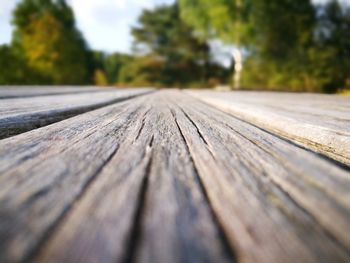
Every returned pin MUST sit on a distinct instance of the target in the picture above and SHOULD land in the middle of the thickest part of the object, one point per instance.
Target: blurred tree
(100, 78)
(227, 20)
(45, 35)
(14, 69)
(111, 64)
(143, 71)
(273, 32)
(280, 29)
(281, 35)
(162, 35)
(330, 54)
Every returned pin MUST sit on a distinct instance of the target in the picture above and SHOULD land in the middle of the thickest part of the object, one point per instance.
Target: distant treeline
(47, 48)
(287, 45)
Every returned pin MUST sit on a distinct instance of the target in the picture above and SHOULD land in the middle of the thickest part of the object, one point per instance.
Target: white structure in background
(238, 60)
(227, 56)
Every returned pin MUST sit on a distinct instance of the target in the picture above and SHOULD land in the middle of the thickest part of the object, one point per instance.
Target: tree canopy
(285, 45)
(291, 45)
(46, 36)
(171, 47)
(15, 70)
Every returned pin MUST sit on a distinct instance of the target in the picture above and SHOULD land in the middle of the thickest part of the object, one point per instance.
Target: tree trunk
(237, 53)
(238, 58)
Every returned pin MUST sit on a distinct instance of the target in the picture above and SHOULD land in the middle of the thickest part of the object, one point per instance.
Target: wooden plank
(154, 158)
(99, 228)
(7, 92)
(318, 122)
(25, 114)
(43, 172)
(106, 204)
(177, 224)
(165, 177)
(276, 202)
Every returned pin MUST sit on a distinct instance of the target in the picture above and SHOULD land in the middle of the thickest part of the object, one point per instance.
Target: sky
(105, 23)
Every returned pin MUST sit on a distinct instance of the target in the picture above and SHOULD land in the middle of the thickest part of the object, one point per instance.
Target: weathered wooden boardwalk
(141, 175)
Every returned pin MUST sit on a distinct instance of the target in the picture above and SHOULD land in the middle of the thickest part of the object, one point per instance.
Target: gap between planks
(58, 108)
(318, 122)
(182, 115)
(136, 242)
(14, 92)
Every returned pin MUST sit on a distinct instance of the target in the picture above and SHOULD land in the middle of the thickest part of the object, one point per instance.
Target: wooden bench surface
(22, 114)
(32, 91)
(176, 176)
(319, 122)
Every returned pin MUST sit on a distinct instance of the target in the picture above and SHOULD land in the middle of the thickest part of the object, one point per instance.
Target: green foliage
(46, 37)
(291, 45)
(224, 19)
(284, 28)
(100, 78)
(288, 45)
(174, 56)
(331, 51)
(142, 71)
(14, 69)
(26, 10)
(111, 65)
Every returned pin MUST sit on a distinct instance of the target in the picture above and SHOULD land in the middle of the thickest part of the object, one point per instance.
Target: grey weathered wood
(99, 228)
(166, 177)
(44, 171)
(7, 92)
(176, 224)
(82, 231)
(277, 202)
(25, 114)
(319, 122)
(173, 222)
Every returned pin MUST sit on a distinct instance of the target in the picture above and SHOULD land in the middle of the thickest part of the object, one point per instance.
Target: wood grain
(129, 190)
(44, 171)
(319, 122)
(7, 92)
(176, 224)
(25, 114)
(166, 177)
(277, 202)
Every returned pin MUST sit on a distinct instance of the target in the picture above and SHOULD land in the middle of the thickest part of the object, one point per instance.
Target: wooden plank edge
(39, 91)
(329, 152)
(12, 126)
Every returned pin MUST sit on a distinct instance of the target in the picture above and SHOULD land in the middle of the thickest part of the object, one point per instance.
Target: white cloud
(6, 8)
(106, 23)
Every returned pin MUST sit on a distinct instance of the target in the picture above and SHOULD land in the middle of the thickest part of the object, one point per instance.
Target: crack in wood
(295, 141)
(214, 185)
(31, 254)
(229, 250)
(35, 249)
(318, 143)
(12, 126)
(341, 247)
(195, 125)
(143, 122)
(134, 237)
